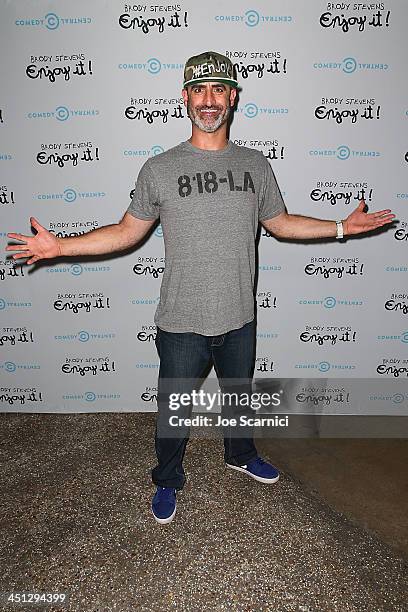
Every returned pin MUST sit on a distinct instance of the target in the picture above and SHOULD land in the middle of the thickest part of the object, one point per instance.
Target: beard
(211, 123)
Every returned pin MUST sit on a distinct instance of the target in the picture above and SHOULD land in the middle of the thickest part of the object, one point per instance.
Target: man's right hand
(100, 241)
(43, 245)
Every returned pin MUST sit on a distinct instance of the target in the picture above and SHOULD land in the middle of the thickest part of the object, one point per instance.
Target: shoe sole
(258, 478)
(165, 521)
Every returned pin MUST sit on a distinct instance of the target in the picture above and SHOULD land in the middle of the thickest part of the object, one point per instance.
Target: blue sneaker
(258, 468)
(164, 505)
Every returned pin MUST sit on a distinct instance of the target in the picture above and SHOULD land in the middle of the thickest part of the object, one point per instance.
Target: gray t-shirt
(209, 203)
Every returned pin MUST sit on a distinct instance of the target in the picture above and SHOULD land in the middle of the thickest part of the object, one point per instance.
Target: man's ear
(185, 96)
(233, 94)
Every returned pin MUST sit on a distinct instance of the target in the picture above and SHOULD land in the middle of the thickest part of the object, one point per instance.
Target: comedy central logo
(395, 398)
(77, 269)
(398, 398)
(62, 113)
(349, 65)
(152, 152)
(252, 18)
(85, 336)
(330, 302)
(324, 366)
(10, 304)
(90, 396)
(152, 66)
(68, 195)
(74, 269)
(342, 152)
(10, 367)
(396, 268)
(403, 337)
(52, 21)
(251, 110)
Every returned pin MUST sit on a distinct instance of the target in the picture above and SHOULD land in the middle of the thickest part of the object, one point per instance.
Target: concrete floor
(366, 480)
(75, 516)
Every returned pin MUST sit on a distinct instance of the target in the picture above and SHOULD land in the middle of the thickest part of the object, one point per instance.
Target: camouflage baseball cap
(210, 66)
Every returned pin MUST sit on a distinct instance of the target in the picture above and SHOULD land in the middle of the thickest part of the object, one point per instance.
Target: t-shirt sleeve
(271, 202)
(145, 203)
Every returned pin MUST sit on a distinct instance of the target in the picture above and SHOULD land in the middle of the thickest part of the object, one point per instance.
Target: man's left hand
(358, 221)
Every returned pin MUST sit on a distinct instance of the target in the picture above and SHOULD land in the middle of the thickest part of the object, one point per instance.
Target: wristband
(340, 230)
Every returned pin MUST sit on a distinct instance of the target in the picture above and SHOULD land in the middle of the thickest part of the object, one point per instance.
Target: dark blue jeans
(184, 357)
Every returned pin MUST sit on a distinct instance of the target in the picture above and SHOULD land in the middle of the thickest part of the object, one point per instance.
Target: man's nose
(209, 99)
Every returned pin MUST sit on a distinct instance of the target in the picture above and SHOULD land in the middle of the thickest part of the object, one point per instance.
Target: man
(210, 195)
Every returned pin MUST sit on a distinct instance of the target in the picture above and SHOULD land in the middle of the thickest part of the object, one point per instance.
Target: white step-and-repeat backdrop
(90, 90)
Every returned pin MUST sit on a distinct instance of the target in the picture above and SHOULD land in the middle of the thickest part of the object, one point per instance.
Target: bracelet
(340, 230)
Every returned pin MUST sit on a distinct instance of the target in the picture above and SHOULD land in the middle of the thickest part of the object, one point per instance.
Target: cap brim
(212, 79)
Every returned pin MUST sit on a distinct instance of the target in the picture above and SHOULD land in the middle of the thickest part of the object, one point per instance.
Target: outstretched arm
(107, 239)
(296, 226)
